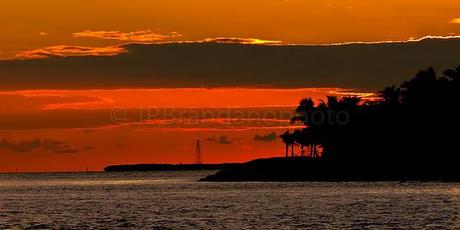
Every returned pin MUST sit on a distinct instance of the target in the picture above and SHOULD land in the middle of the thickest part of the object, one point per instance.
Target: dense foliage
(413, 125)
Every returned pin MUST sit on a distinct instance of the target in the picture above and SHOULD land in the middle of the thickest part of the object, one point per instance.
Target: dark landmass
(305, 169)
(165, 167)
(409, 133)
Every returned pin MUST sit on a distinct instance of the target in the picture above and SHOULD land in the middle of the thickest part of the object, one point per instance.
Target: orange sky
(179, 97)
(70, 130)
(45, 23)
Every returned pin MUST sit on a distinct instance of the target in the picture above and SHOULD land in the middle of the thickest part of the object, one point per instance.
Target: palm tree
(332, 102)
(453, 74)
(304, 110)
(421, 88)
(350, 102)
(391, 95)
(308, 140)
(301, 137)
(288, 140)
(422, 79)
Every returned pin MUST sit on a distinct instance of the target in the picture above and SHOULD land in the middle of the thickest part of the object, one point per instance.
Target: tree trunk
(287, 150)
(292, 150)
(316, 151)
(311, 150)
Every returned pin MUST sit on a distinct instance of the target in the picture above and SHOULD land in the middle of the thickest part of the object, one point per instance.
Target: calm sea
(175, 200)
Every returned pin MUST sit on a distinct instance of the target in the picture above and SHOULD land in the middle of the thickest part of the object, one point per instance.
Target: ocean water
(175, 200)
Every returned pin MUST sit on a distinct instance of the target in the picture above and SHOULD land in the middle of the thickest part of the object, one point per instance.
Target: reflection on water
(175, 200)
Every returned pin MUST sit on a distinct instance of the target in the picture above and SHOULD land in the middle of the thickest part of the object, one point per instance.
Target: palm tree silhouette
(416, 127)
(391, 95)
(288, 140)
(349, 102)
(453, 74)
(302, 139)
(304, 110)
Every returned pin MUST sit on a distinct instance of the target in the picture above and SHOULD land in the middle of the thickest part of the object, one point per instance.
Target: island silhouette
(408, 133)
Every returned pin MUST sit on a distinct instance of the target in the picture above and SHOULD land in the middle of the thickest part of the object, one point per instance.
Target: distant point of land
(164, 167)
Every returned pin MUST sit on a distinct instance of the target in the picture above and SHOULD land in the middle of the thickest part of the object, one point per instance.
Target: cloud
(142, 118)
(220, 140)
(246, 41)
(135, 36)
(67, 51)
(18, 102)
(190, 65)
(46, 144)
(266, 137)
(455, 21)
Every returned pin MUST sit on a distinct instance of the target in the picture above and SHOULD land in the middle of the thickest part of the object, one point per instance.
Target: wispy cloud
(67, 51)
(246, 41)
(265, 137)
(455, 21)
(434, 37)
(226, 129)
(43, 144)
(134, 36)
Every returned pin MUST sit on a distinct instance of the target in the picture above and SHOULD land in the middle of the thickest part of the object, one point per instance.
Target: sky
(85, 84)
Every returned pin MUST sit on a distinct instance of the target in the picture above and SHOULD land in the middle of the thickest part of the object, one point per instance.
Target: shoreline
(319, 170)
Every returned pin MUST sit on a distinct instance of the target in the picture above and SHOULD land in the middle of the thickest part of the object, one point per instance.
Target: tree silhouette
(288, 140)
(409, 134)
(408, 122)
(304, 110)
(453, 74)
(391, 95)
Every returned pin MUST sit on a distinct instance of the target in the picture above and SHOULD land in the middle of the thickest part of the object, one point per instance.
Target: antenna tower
(198, 153)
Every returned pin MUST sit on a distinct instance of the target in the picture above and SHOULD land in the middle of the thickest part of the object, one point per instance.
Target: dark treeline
(410, 133)
(412, 129)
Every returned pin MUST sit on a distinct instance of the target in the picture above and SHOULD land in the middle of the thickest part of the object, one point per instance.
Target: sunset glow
(94, 128)
(92, 83)
(106, 23)
(229, 114)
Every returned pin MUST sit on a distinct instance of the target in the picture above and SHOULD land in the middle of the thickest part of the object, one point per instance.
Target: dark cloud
(266, 137)
(362, 66)
(220, 140)
(46, 144)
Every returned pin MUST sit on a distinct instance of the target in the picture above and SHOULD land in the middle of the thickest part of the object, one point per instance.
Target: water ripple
(176, 201)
